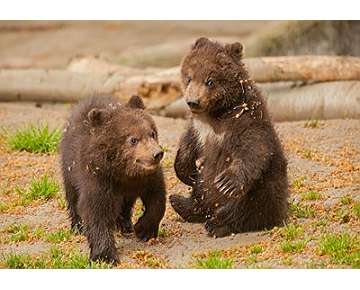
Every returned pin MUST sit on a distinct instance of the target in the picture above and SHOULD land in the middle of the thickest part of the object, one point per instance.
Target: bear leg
(123, 222)
(72, 199)
(97, 212)
(154, 201)
(102, 243)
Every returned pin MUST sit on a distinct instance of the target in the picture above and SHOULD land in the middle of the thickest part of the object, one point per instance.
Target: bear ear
(235, 50)
(200, 42)
(97, 116)
(136, 102)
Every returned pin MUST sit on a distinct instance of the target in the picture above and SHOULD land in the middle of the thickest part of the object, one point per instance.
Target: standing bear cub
(230, 154)
(110, 157)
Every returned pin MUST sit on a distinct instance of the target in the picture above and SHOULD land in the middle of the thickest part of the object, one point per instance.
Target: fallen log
(304, 68)
(159, 87)
(330, 100)
(262, 69)
(53, 85)
(288, 102)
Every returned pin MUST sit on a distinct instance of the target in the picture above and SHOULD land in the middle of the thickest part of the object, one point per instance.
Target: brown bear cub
(110, 157)
(230, 154)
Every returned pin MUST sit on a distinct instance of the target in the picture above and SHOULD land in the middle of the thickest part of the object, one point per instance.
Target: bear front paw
(108, 256)
(145, 232)
(227, 184)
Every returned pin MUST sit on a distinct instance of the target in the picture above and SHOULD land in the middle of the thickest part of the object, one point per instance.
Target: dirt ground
(323, 157)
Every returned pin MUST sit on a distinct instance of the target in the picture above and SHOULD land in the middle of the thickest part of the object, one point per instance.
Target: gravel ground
(324, 159)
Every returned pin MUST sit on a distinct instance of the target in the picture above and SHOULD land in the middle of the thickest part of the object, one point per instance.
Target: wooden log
(326, 100)
(304, 68)
(286, 102)
(159, 87)
(53, 85)
(262, 69)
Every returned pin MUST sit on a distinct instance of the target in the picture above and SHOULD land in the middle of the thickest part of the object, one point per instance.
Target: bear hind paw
(185, 208)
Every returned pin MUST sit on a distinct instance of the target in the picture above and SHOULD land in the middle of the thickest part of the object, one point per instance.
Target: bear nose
(194, 104)
(158, 155)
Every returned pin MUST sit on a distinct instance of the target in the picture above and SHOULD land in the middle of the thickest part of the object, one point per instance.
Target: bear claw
(110, 258)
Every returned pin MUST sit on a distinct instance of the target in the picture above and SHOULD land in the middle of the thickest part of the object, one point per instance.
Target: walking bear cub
(230, 154)
(110, 157)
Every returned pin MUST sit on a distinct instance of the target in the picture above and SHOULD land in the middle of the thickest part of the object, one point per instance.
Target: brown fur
(110, 157)
(230, 153)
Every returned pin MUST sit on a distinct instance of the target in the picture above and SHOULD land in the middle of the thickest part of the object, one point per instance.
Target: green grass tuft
(214, 261)
(22, 232)
(39, 233)
(35, 139)
(292, 247)
(291, 231)
(153, 262)
(56, 259)
(342, 248)
(311, 195)
(18, 232)
(256, 249)
(4, 206)
(59, 236)
(41, 188)
(301, 211)
(163, 233)
(15, 261)
(72, 260)
(346, 200)
(298, 182)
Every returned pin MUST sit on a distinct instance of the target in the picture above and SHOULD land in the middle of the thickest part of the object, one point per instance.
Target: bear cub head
(211, 75)
(125, 139)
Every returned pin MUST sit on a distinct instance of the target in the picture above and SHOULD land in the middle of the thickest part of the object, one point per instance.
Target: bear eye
(153, 135)
(209, 83)
(188, 79)
(134, 140)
